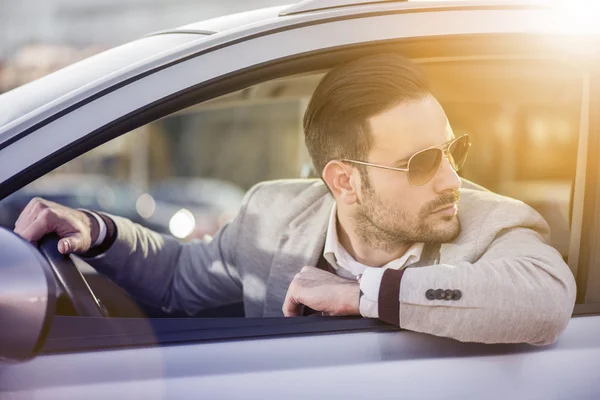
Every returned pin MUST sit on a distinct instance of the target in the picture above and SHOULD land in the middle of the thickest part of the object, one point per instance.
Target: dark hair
(336, 120)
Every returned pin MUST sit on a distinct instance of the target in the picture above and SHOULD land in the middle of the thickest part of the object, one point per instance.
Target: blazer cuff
(389, 296)
(111, 236)
(381, 288)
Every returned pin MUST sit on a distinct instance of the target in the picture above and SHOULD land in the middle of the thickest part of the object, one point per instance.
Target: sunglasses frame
(444, 148)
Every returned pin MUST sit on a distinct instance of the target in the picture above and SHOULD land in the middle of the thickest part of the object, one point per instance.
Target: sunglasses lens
(457, 152)
(423, 166)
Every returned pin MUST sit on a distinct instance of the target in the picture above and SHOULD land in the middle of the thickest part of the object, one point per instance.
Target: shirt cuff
(369, 285)
(110, 237)
(101, 229)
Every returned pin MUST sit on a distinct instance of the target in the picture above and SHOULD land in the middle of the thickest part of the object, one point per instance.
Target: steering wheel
(85, 303)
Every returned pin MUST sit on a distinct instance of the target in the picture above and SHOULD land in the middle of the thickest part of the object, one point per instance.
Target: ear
(342, 180)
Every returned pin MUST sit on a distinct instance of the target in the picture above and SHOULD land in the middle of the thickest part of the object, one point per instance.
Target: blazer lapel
(299, 246)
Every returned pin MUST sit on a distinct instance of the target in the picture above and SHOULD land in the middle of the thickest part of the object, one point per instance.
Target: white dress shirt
(347, 267)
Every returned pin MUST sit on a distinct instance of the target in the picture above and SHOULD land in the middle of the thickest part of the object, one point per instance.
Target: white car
(520, 77)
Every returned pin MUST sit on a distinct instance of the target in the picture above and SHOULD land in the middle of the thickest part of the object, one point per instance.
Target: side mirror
(27, 298)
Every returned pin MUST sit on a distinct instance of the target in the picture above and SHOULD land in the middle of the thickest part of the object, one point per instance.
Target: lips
(448, 203)
(447, 208)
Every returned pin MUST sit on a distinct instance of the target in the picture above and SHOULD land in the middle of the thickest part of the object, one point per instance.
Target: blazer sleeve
(519, 290)
(175, 276)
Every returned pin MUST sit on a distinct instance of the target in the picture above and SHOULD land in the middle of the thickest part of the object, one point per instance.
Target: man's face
(390, 209)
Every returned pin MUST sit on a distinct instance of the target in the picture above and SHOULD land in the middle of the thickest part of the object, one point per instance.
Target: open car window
(522, 115)
(185, 175)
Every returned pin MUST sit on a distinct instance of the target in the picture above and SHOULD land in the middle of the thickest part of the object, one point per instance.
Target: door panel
(345, 365)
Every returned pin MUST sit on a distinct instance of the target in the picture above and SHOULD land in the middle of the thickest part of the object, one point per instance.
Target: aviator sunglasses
(423, 165)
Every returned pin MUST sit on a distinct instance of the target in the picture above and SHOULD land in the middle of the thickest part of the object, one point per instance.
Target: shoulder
(286, 193)
(484, 200)
(274, 207)
(284, 201)
(484, 216)
(482, 212)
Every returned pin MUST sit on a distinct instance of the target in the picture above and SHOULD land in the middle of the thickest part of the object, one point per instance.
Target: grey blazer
(515, 287)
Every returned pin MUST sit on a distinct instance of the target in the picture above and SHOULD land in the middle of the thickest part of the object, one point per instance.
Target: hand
(76, 229)
(321, 291)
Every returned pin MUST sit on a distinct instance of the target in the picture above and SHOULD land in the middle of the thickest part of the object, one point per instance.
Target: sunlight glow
(576, 16)
(182, 224)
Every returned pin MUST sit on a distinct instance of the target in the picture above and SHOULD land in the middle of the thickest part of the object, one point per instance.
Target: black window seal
(77, 334)
(81, 334)
(200, 32)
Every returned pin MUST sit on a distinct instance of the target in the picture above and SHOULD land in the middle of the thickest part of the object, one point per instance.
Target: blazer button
(456, 295)
(449, 294)
(439, 294)
(430, 294)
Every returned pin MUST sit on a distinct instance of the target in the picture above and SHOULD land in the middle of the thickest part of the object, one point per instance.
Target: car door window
(185, 175)
(524, 125)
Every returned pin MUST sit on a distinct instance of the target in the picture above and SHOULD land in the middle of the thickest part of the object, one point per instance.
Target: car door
(305, 357)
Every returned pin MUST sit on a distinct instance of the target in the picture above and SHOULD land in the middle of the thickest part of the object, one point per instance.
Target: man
(392, 233)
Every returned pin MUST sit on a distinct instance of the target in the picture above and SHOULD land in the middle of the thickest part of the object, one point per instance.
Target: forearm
(521, 298)
(137, 259)
(171, 275)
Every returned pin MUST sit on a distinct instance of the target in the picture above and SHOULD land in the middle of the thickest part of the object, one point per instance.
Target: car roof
(30, 104)
(316, 7)
(226, 22)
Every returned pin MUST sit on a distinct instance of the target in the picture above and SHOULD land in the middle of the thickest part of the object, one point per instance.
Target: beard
(386, 226)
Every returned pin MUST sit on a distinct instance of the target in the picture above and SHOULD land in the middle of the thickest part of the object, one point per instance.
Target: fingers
(41, 218)
(291, 307)
(35, 230)
(30, 212)
(321, 291)
(71, 244)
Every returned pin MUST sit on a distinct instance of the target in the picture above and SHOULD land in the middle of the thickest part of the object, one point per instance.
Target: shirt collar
(338, 257)
(332, 245)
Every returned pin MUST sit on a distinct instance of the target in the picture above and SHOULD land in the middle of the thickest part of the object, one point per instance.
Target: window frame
(588, 277)
(419, 48)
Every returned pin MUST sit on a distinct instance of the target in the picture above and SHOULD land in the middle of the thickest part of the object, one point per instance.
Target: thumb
(71, 244)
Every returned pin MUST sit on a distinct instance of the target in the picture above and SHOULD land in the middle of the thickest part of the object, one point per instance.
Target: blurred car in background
(184, 208)
(208, 203)
(89, 191)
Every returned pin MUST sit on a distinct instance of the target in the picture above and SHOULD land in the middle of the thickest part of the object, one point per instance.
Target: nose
(446, 179)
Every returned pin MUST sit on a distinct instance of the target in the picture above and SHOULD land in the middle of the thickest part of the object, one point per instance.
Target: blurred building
(108, 22)
(40, 36)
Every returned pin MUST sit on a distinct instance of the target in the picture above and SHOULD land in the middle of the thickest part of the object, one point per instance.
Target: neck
(363, 249)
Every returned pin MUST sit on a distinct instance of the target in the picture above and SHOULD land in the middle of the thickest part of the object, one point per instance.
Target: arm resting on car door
(516, 289)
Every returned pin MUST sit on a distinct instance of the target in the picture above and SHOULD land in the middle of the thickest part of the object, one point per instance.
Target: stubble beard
(386, 228)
